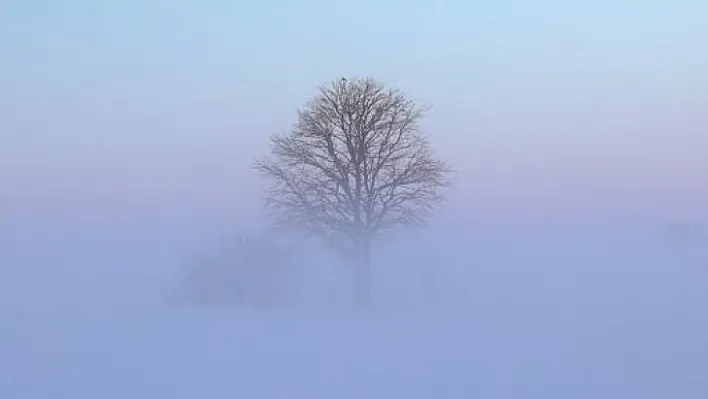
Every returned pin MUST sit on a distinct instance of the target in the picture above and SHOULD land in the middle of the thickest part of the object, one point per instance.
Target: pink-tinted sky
(135, 112)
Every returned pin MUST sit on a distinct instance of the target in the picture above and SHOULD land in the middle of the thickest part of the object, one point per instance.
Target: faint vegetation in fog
(353, 168)
(245, 271)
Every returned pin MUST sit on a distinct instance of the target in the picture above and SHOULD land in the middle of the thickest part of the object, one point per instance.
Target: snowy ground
(618, 324)
(231, 353)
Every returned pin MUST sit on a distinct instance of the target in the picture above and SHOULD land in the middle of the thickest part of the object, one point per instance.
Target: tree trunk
(431, 286)
(363, 272)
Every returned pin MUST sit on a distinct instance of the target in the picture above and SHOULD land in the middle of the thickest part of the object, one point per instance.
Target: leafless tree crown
(354, 164)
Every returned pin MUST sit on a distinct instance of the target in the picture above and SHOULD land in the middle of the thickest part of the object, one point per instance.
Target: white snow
(557, 319)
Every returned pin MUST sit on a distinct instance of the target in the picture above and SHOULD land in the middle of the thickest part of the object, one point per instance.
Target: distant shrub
(246, 271)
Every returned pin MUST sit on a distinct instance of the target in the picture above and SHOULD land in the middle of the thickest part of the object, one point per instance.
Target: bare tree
(354, 165)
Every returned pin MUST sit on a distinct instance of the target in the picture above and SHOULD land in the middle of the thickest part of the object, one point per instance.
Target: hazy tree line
(353, 167)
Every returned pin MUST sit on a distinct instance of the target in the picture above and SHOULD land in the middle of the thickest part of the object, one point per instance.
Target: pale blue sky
(155, 110)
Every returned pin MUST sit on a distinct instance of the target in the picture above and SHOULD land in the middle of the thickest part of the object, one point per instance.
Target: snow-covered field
(556, 319)
(227, 353)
